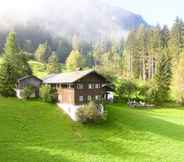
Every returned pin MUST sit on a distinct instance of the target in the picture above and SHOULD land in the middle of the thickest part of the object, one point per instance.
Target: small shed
(26, 81)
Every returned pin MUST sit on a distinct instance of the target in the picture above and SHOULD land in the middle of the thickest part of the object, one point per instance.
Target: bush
(150, 93)
(48, 94)
(127, 90)
(28, 92)
(90, 113)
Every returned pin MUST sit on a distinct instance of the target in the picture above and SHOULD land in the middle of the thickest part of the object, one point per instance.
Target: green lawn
(32, 131)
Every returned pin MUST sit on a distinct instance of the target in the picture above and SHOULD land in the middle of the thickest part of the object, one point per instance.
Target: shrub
(28, 92)
(48, 94)
(90, 113)
(127, 89)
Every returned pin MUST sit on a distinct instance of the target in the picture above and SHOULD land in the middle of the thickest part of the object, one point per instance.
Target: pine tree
(109, 62)
(130, 51)
(163, 77)
(7, 79)
(97, 53)
(53, 64)
(165, 36)
(177, 37)
(63, 49)
(74, 61)
(142, 55)
(13, 67)
(178, 80)
(43, 52)
(154, 48)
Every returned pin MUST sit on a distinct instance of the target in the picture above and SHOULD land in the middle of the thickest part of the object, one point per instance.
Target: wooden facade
(27, 81)
(89, 87)
(92, 89)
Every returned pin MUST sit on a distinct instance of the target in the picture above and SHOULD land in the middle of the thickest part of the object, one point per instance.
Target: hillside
(36, 131)
(88, 19)
(91, 22)
(39, 69)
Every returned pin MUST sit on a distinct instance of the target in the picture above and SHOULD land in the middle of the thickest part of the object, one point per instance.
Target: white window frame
(81, 98)
(90, 86)
(97, 86)
(80, 86)
(89, 98)
(69, 86)
(97, 97)
(57, 86)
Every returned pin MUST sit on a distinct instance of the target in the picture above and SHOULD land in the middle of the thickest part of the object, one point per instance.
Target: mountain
(88, 19)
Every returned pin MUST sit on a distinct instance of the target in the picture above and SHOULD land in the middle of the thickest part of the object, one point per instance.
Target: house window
(90, 86)
(97, 97)
(81, 98)
(97, 86)
(89, 98)
(69, 85)
(80, 86)
(57, 86)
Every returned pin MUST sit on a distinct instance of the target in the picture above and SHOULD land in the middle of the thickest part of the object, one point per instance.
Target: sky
(153, 11)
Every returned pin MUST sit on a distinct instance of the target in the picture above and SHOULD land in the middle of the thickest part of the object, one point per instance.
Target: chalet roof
(69, 77)
(27, 77)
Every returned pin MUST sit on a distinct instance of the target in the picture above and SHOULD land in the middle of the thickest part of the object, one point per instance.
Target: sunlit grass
(33, 131)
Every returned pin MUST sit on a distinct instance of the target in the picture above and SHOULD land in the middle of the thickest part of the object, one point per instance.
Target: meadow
(32, 131)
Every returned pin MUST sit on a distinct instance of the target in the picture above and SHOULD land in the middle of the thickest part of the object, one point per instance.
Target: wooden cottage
(79, 87)
(26, 81)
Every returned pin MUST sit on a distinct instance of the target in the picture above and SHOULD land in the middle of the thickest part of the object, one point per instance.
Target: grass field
(32, 131)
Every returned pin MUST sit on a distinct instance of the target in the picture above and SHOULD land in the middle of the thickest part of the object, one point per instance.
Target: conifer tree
(63, 49)
(74, 61)
(43, 52)
(53, 64)
(97, 53)
(14, 66)
(178, 80)
(164, 36)
(163, 77)
(177, 37)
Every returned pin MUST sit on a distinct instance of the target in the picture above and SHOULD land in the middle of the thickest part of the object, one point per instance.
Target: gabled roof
(27, 77)
(69, 77)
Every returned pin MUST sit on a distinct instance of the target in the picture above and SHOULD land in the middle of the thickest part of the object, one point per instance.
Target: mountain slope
(89, 19)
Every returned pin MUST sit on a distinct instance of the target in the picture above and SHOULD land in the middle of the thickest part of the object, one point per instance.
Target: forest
(147, 65)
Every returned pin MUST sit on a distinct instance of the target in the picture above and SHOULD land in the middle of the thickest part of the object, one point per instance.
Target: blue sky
(153, 11)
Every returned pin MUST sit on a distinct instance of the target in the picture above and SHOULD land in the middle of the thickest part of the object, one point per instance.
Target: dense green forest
(152, 57)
